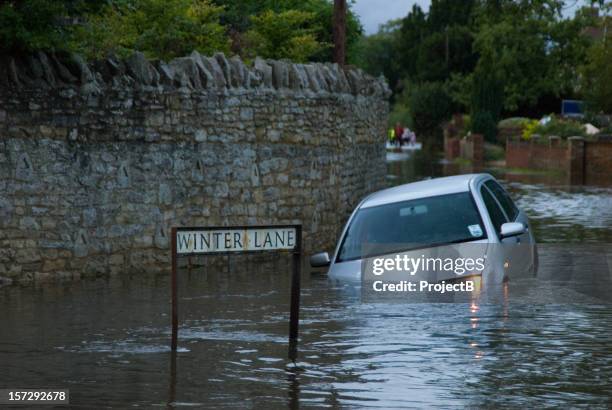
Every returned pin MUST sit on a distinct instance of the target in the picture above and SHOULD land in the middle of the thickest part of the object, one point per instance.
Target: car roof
(422, 189)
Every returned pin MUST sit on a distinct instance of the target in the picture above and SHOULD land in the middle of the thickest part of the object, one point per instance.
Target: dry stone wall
(99, 160)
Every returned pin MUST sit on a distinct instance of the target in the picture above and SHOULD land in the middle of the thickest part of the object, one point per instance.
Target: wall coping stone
(42, 70)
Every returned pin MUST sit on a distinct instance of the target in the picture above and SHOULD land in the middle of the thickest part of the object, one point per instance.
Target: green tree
(432, 46)
(30, 25)
(597, 77)
(237, 17)
(322, 29)
(487, 103)
(287, 34)
(376, 53)
(429, 105)
(532, 48)
(159, 28)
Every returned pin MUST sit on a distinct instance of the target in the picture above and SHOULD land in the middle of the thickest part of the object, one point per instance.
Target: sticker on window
(475, 230)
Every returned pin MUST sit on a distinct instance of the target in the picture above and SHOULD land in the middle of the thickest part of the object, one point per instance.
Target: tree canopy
(298, 30)
(494, 57)
(485, 57)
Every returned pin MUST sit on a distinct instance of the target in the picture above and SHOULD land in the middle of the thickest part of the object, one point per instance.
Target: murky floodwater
(107, 340)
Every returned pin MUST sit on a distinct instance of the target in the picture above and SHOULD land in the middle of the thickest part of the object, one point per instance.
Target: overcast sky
(372, 13)
(375, 12)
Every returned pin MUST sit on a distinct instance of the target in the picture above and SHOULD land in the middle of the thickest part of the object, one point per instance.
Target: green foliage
(533, 50)
(323, 30)
(460, 89)
(556, 126)
(283, 35)
(487, 100)
(434, 45)
(159, 28)
(529, 129)
(400, 113)
(560, 127)
(429, 106)
(518, 52)
(376, 53)
(512, 122)
(483, 123)
(237, 17)
(30, 25)
(597, 77)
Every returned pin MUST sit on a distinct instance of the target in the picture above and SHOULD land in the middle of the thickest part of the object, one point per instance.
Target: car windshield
(412, 224)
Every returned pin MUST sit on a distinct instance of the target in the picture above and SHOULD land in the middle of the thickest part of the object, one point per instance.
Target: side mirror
(320, 260)
(512, 229)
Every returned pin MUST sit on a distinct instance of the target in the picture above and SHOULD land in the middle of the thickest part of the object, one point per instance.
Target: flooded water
(108, 340)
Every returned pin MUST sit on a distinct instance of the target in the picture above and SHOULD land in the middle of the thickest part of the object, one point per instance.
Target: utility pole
(339, 31)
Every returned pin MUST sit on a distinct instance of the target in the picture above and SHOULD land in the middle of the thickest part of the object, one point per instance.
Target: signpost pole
(294, 314)
(174, 294)
(232, 235)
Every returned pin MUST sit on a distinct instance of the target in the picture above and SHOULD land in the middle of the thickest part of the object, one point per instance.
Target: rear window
(412, 224)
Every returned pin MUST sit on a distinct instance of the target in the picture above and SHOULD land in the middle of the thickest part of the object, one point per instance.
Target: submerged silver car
(461, 209)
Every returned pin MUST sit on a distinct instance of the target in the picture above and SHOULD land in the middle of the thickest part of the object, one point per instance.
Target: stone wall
(98, 161)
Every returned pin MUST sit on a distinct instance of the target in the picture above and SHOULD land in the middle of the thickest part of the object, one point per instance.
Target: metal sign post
(187, 241)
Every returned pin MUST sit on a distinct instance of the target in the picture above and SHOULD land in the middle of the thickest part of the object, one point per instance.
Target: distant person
(391, 135)
(412, 138)
(408, 137)
(399, 131)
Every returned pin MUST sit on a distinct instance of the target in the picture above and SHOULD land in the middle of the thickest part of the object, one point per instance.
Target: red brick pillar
(575, 154)
(477, 150)
(451, 147)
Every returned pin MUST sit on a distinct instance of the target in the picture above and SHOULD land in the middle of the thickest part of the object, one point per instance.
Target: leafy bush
(556, 126)
(430, 105)
(561, 127)
(512, 122)
(159, 28)
(529, 129)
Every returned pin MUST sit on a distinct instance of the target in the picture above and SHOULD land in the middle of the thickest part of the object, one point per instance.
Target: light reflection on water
(107, 340)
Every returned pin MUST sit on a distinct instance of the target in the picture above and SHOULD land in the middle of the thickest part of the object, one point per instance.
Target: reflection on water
(107, 340)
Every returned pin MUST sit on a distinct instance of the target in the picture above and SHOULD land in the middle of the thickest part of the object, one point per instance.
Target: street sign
(240, 239)
(225, 240)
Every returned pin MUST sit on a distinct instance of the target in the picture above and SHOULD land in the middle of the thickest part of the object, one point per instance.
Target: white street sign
(235, 240)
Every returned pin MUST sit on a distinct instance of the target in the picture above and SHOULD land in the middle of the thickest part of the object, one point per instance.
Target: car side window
(497, 216)
(504, 199)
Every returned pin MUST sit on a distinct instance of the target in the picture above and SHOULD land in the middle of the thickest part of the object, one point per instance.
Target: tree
(597, 77)
(30, 25)
(531, 47)
(283, 35)
(429, 105)
(237, 18)
(377, 53)
(159, 28)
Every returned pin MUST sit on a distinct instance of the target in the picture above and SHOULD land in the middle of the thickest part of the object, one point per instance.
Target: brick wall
(584, 161)
(548, 154)
(598, 162)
